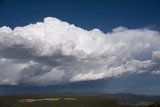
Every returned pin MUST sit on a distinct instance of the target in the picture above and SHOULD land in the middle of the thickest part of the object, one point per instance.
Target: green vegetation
(66, 101)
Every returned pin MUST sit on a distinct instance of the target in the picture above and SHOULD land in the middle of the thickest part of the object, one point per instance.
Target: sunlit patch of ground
(70, 99)
(45, 99)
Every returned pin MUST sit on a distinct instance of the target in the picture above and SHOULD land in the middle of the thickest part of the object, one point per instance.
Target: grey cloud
(53, 52)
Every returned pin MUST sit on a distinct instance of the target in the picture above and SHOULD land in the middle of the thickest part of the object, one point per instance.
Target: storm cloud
(56, 52)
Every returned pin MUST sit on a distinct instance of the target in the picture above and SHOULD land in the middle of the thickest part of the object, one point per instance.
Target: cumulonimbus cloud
(53, 52)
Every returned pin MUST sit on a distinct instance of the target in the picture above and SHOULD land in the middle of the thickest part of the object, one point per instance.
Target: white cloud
(53, 52)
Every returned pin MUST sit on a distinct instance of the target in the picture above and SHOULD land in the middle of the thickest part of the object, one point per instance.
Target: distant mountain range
(134, 98)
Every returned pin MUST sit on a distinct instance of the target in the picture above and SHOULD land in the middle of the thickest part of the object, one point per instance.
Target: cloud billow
(54, 52)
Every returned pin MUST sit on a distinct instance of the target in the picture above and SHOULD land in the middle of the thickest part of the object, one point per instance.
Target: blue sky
(88, 14)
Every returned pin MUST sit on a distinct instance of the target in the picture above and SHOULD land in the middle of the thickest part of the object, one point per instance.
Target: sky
(110, 45)
(88, 14)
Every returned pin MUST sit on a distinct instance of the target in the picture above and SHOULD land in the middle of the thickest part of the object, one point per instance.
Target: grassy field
(65, 101)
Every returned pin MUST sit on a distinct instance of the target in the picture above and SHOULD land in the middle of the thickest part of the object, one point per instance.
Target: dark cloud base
(145, 84)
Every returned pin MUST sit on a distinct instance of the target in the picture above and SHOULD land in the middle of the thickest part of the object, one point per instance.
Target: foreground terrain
(67, 101)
